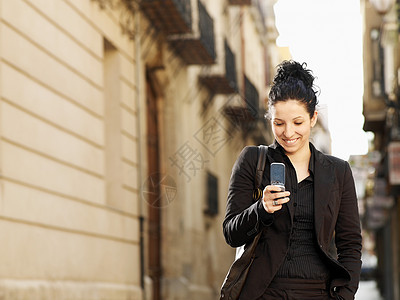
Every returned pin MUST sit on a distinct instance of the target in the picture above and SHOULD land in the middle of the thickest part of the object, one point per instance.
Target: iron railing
(169, 16)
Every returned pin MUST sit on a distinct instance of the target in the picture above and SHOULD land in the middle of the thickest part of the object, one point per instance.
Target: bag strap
(262, 157)
(257, 194)
(237, 273)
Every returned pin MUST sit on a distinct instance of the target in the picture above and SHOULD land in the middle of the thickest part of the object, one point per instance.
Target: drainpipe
(243, 54)
(139, 146)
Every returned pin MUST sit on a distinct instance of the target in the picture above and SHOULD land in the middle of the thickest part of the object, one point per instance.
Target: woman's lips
(291, 141)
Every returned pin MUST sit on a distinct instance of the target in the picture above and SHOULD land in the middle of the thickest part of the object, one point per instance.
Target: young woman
(294, 255)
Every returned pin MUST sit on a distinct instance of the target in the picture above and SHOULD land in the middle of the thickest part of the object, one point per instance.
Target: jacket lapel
(323, 183)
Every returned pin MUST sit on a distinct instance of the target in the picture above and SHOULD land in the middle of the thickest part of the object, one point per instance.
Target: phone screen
(277, 174)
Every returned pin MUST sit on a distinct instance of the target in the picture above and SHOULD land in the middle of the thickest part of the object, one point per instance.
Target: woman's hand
(273, 198)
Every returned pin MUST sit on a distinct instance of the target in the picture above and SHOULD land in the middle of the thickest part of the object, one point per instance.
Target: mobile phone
(277, 175)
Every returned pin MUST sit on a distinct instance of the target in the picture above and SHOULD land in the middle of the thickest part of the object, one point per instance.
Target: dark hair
(294, 81)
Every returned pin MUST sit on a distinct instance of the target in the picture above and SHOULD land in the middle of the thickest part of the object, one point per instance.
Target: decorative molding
(127, 10)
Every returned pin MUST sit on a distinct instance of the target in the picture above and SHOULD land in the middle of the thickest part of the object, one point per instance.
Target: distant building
(381, 111)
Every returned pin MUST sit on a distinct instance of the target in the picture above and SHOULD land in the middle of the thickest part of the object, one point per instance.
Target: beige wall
(73, 151)
(63, 236)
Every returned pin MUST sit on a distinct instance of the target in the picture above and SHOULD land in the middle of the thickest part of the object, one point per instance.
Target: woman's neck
(301, 156)
(300, 162)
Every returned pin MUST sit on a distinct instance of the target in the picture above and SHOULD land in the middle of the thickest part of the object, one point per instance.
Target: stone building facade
(120, 123)
(69, 163)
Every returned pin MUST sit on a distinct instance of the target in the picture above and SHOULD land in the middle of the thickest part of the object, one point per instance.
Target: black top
(303, 259)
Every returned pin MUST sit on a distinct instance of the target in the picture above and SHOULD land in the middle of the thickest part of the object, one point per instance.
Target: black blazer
(335, 216)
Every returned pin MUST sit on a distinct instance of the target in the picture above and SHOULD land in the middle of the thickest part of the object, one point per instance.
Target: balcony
(169, 16)
(198, 47)
(222, 81)
(240, 2)
(244, 111)
(236, 112)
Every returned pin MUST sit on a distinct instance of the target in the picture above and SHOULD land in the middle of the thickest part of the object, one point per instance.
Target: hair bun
(292, 69)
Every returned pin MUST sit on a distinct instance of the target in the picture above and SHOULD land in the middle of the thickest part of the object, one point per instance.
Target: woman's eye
(278, 124)
(298, 123)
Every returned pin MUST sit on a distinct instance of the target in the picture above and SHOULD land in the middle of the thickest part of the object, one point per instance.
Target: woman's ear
(314, 119)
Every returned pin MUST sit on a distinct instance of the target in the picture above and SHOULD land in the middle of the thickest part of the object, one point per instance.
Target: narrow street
(368, 291)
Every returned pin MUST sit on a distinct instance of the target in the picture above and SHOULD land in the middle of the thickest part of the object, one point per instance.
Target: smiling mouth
(291, 141)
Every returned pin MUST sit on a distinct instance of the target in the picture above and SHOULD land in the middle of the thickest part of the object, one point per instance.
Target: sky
(327, 35)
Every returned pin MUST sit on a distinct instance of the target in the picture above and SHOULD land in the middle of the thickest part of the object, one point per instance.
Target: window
(212, 195)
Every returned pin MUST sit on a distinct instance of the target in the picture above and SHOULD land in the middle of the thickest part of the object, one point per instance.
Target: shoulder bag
(236, 277)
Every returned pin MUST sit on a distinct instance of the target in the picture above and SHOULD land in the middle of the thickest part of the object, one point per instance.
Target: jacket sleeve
(243, 216)
(348, 235)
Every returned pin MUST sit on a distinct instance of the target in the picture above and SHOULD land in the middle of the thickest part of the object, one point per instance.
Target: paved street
(368, 291)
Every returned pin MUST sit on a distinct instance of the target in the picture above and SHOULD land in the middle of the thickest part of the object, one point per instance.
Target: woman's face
(291, 124)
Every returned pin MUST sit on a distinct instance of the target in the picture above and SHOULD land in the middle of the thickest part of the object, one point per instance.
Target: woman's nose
(289, 131)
